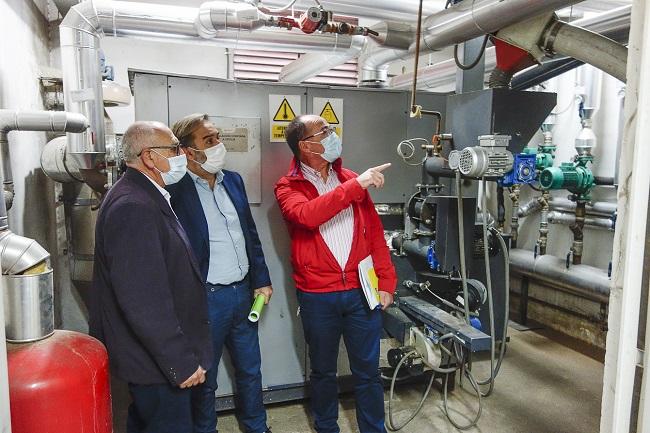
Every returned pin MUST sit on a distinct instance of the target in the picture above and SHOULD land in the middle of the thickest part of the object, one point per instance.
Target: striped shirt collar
(314, 175)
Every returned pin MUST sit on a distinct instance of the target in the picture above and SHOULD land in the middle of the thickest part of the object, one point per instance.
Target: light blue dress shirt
(228, 258)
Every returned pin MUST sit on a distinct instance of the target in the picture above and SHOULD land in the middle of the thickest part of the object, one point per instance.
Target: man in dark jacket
(333, 226)
(149, 302)
(212, 206)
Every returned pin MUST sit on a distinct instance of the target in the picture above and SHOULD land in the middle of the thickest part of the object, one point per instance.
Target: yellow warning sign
(285, 113)
(277, 132)
(329, 115)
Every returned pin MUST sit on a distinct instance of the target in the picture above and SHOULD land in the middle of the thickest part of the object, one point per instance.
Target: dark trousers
(162, 409)
(228, 307)
(325, 318)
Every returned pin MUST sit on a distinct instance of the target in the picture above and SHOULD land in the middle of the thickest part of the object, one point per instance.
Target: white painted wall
(24, 49)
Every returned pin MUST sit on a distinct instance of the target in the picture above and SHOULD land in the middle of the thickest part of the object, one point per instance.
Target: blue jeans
(161, 409)
(228, 308)
(325, 317)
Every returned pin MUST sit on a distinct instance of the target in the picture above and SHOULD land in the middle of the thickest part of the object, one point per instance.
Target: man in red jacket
(333, 226)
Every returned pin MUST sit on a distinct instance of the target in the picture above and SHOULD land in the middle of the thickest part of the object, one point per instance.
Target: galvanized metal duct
(312, 64)
(402, 10)
(18, 253)
(468, 20)
(598, 208)
(392, 36)
(12, 120)
(589, 47)
(568, 219)
(217, 16)
(583, 280)
(86, 22)
(612, 23)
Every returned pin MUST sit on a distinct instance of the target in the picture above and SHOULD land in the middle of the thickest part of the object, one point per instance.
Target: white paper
(369, 292)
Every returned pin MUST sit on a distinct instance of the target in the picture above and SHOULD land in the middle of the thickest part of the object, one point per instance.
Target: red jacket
(314, 267)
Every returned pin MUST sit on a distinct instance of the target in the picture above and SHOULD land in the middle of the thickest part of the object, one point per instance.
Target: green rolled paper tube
(256, 310)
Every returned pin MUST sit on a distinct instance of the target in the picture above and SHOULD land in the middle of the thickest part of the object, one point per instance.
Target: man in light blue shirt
(212, 207)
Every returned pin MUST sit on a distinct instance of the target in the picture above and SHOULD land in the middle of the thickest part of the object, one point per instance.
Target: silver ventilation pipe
(444, 73)
(27, 281)
(391, 44)
(569, 219)
(86, 22)
(385, 10)
(589, 47)
(469, 20)
(217, 16)
(393, 38)
(312, 64)
(11, 120)
(465, 21)
(392, 41)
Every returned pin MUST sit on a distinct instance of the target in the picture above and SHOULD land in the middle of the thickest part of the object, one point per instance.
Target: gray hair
(184, 128)
(139, 136)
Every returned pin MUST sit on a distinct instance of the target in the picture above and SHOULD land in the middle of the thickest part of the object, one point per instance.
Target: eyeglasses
(175, 146)
(327, 130)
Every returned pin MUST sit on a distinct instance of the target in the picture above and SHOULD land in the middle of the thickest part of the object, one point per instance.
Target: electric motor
(490, 159)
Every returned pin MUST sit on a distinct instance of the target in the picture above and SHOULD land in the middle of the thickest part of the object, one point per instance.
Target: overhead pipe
(391, 37)
(612, 24)
(18, 253)
(385, 10)
(544, 72)
(87, 22)
(12, 120)
(589, 47)
(583, 280)
(468, 20)
(311, 64)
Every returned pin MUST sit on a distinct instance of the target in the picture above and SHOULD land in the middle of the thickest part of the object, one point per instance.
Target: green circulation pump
(545, 156)
(574, 177)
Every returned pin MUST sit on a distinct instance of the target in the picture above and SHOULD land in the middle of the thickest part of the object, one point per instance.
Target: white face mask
(177, 169)
(215, 158)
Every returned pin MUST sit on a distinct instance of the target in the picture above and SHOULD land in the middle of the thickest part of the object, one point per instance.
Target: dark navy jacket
(187, 205)
(149, 305)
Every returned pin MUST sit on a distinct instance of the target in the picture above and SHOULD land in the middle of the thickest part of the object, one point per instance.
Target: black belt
(236, 283)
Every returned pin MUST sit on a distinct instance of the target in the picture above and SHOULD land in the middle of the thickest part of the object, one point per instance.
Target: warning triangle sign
(285, 112)
(329, 115)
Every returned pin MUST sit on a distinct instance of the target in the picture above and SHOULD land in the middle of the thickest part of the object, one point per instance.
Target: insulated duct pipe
(312, 64)
(568, 219)
(598, 208)
(468, 20)
(391, 44)
(392, 36)
(589, 47)
(386, 10)
(86, 22)
(11, 120)
(465, 21)
(612, 24)
(583, 280)
(18, 253)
